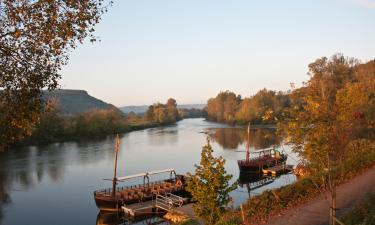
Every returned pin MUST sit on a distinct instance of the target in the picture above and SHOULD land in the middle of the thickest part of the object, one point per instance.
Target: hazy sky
(192, 49)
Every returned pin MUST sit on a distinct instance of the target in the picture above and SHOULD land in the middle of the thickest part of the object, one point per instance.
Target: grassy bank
(363, 213)
(261, 207)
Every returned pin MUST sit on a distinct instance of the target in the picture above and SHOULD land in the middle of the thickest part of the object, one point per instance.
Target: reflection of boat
(111, 199)
(266, 158)
(109, 218)
(116, 218)
(254, 181)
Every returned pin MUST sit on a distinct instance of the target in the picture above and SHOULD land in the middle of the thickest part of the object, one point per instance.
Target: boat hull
(256, 165)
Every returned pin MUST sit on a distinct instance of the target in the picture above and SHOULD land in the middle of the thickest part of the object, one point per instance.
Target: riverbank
(49, 138)
(316, 211)
(259, 209)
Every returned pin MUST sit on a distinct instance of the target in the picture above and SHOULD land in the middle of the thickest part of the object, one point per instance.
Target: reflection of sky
(53, 184)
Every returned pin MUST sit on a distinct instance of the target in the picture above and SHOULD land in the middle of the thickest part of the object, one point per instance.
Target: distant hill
(140, 109)
(76, 101)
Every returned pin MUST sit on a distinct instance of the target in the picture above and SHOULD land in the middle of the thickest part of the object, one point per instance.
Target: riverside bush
(259, 208)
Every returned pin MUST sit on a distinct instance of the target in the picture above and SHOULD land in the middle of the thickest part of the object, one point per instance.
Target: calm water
(53, 184)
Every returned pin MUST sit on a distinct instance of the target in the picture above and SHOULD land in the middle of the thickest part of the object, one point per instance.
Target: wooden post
(242, 214)
(248, 144)
(333, 202)
(114, 181)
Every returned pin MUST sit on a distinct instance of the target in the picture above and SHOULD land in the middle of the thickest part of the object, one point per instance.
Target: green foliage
(210, 187)
(36, 38)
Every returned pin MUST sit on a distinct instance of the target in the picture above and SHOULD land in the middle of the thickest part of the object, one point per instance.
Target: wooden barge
(109, 200)
(113, 199)
(266, 158)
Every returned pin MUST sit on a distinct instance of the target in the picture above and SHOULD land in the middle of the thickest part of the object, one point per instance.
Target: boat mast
(248, 143)
(114, 181)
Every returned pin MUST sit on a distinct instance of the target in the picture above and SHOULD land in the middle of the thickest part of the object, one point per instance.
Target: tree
(329, 114)
(210, 187)
(223, 107)
(171, 103)
(36, 38)
(163, 113)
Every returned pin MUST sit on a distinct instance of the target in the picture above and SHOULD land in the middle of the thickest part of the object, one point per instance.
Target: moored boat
(111, 199)
(266, 158)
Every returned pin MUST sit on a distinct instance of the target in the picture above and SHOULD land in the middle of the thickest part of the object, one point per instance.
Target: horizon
(190, 51)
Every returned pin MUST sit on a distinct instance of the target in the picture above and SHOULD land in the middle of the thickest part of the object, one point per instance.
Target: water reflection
(65, 174)
(22, 169)
(4, 196)
(118, 219)
(252, 181)
(162, 136)
(232, 138)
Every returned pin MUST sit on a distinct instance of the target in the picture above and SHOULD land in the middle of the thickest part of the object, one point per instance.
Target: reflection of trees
(228, 138)
(22, 168)
(231, 138)
(264, 138)
(4, 196)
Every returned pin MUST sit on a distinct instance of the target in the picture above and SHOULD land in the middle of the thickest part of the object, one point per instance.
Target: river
(53, 184)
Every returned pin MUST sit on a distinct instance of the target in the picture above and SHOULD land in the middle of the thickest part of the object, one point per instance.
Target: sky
(150, 50)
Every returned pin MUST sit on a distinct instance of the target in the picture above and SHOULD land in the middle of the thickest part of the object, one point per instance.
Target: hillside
(140, 109)
(76, 101)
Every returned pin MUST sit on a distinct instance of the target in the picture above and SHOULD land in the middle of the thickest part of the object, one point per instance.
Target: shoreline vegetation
(98, 123)
(271, 202)
(266, 107)
(329, 122)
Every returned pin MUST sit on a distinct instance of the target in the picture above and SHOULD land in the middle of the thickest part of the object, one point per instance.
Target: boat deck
(138, 209)
(165, 203)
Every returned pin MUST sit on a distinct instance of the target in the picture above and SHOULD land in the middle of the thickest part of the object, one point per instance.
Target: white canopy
(145, 174)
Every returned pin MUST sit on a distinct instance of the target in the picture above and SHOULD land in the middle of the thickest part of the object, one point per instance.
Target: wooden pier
(165, 203)
(279, 169)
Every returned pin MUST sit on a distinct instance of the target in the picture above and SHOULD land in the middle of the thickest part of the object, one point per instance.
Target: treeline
(330, 123)
(97, 122)
(163, 113)
(266, 106)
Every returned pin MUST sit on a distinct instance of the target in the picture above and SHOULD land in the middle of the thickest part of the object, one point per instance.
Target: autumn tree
(163, 113)
(223, 107)
(266, 106)
(36, 38)
(329, 114)
(210, 186)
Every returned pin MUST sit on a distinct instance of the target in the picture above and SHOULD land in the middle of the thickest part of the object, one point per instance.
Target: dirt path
(316, 212)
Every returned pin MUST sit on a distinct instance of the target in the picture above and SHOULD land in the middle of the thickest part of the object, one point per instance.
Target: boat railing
(155, 184)
(252, 159)
(168, 201)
